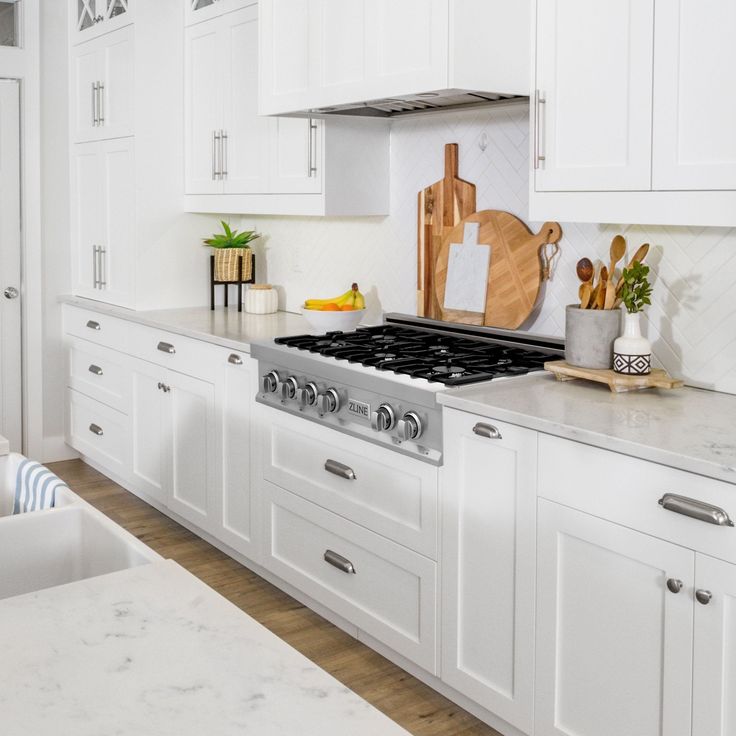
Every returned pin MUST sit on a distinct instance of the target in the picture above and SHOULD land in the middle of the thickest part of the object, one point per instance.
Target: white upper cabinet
(318, 53)
(103, 87)
(632, 114)
(196, 11)
(92, 18)
(694, 104)
(594, 94)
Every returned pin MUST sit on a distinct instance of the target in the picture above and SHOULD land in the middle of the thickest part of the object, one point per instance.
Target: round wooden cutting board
(515, 274)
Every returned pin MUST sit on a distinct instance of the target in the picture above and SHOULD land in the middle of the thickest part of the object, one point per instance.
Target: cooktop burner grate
(446, 359)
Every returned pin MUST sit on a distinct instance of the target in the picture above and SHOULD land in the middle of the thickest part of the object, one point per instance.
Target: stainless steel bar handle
(214, 155)
(95, 278)
(488, 431)
(93, 325)
(166, 347)
(341, 563)
(342, 471)
(96, 429)
(94, 104)
(312, 146)
(223, 157)
(102, 253)
(95, 369)
(695, 509)
(101, 104)
(539, 100)
(235, 359)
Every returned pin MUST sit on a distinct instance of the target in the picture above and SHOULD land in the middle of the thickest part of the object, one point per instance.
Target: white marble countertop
(690, 429)
(153, 651)
(223, 326)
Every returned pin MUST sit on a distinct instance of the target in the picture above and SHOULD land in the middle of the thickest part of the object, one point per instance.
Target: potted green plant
(228, 246)
(632, 353)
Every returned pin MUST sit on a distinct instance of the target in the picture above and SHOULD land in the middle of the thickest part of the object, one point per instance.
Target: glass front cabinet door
(92, 18)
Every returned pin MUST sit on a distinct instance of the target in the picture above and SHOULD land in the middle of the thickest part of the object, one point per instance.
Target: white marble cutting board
(467, 272)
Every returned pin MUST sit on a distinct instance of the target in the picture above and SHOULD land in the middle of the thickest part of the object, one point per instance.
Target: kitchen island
(153, 651)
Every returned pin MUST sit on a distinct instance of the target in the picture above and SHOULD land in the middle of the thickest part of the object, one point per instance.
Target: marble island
(153, 651)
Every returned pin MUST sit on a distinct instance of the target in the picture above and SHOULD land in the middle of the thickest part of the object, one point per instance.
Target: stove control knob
(383, 419)
(270, 382)
(307, 396)
(410, 426)
(328, 402)
(289, 388)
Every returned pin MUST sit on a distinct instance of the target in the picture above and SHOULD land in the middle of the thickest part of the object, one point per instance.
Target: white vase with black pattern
(632, 353)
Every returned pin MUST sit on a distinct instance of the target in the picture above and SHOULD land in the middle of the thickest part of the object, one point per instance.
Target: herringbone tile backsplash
(692, 321)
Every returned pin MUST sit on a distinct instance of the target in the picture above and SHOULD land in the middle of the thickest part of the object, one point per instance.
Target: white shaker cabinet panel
(488, 563)
(614, 644)
(593, 112)
(296, 156)
(85, 74)
(714, 692)
(694, 101)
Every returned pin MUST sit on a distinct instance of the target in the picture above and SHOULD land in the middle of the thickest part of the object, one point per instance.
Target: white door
(246, 142)
(192, 451)
(488, 562)
(614, 645)
(594, 72)
(11, 422)
(238, 387)
(714, 682)
(694, 110)
(86, 76)
(203, 106)
(296, 159)
(117, 75)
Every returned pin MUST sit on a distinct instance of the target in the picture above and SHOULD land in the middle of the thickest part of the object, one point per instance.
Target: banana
(359, 300)
(351, 297)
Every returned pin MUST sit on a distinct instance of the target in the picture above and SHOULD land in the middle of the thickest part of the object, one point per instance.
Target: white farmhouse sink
(62, 545)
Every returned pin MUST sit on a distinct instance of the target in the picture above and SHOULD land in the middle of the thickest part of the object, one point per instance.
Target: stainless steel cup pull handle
(93, 325)
(96, 429)
(695, 509)
(488, 431)
(235, 359)
(343, 471)
(166, 347)
(341, 563)
(703, 597)
(674, 585)
(95, 369)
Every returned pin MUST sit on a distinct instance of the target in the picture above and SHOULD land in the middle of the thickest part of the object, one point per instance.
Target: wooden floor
(418, 708)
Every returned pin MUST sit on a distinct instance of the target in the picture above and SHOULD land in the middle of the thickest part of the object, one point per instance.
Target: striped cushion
(35, 487)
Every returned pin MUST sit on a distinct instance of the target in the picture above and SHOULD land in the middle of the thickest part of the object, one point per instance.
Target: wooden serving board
(515, 275)
(441, 207)
(617, 382)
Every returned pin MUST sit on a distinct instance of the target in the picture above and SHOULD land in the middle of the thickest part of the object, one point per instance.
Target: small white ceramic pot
(632, 353)
(261, 299)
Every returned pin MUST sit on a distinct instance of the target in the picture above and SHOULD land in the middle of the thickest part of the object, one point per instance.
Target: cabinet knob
(703, 596)
(674, 585)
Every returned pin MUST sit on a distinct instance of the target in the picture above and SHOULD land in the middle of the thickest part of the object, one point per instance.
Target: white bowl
(321, 322)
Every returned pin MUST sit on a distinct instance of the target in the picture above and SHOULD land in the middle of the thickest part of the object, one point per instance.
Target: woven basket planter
(226, 263)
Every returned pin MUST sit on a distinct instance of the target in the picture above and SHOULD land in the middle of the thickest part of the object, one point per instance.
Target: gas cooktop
(451, 360)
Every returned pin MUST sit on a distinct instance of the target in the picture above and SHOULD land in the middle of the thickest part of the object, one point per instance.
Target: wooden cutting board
(515, 275)
(441, 207)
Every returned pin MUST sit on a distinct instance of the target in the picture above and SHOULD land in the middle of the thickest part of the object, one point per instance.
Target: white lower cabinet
(488, 527)
(614, 645)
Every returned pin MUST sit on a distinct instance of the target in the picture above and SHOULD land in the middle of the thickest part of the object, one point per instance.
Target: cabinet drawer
(183, 354)
(386, 492)
(96, 327)
(100, 373)
(391, 595)
(627, 490)
(98, 432)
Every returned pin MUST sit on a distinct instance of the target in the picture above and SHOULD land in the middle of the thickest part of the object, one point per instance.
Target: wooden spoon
(618, 251)
(610, 301)
(638, 257)
(586, 292)
(585, 271)
(602, 287)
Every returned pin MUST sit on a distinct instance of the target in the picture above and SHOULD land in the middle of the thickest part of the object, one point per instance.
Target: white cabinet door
(203, 104)
(714, 684)
(614, 645)
(594, 73)
(85, 78)
(488, 561)
(148, 463)
(192, 447)
(246, 144)
(87, 200)
(117, 76)
(296, 156)
(237, 526)
(117, 239)
(694, 105)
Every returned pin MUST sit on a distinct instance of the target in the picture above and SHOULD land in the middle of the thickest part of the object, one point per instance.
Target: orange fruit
(347, 308)
(331, 307)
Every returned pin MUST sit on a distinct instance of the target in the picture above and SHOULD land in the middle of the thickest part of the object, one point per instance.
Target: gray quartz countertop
(690, 429)
(223, 326)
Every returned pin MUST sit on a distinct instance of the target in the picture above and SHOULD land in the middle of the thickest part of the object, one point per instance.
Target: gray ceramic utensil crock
(589, 336)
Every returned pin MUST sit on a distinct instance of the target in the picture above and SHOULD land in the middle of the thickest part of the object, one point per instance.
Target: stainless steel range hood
(391, 107)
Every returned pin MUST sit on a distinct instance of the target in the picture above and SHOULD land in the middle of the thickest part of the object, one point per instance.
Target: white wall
(692, 323)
